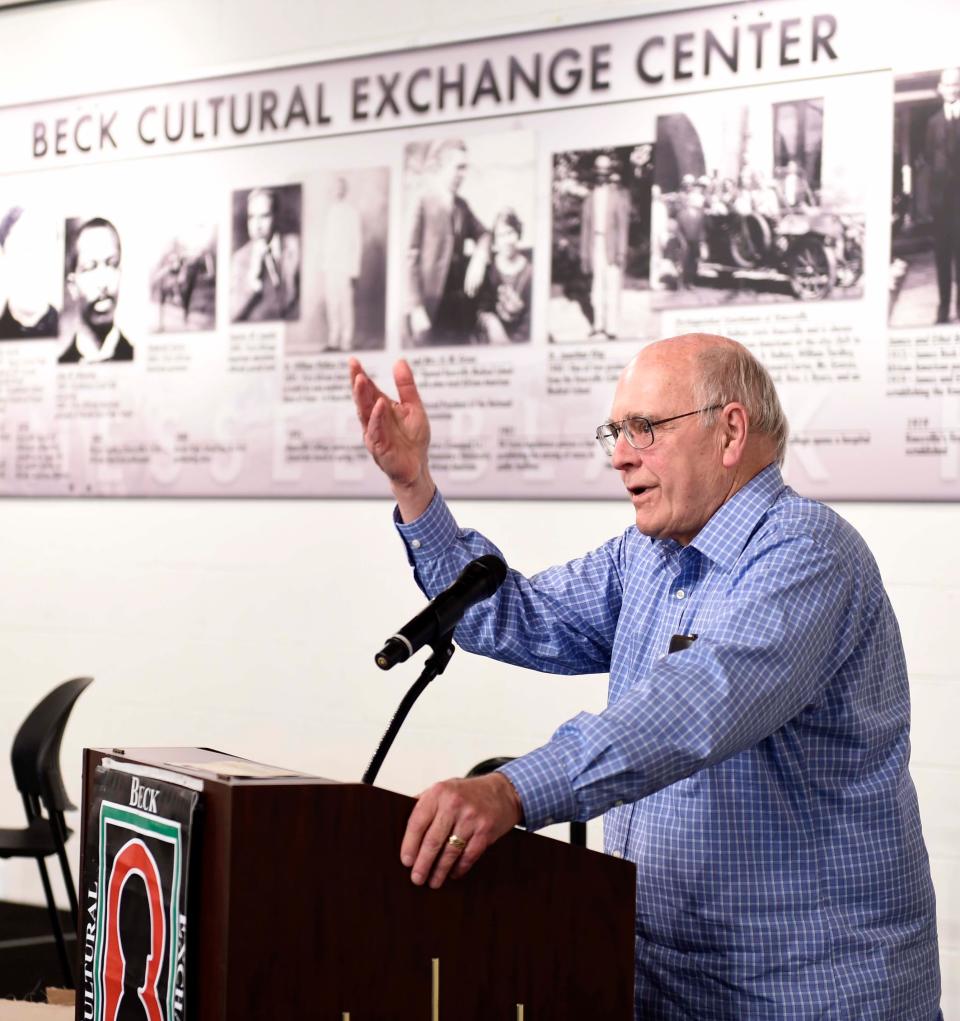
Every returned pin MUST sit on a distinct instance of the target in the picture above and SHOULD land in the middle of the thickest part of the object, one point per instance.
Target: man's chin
(647, 517)
(647, 525)
(100, 325)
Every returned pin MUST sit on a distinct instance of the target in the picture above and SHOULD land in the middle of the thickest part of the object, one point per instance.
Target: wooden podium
(300, 908)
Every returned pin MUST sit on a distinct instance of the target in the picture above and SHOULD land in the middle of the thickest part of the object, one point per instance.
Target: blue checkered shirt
(758, 779)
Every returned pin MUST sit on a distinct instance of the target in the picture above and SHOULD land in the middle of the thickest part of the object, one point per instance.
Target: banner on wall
(186, 268)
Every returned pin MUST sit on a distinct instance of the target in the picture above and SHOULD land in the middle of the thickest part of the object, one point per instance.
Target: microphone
(478, 580)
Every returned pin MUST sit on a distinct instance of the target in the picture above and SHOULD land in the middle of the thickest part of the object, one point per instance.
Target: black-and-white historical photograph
(183, 281)
(92, 277)
(925, 242)
(751, 204)
(344, 270)
(30, 276)
(265, 265)
(469, 258)
(600, 259)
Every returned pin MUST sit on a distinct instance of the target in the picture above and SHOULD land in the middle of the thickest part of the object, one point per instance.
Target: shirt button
(415, 544)
(548, 821)
(680, 593)
(617, 804)
(616, 854)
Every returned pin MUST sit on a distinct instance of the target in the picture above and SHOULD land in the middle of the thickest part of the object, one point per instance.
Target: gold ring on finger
(456, 842)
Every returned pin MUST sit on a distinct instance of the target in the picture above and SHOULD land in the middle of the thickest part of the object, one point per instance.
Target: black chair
(36, 770)
(578, 830)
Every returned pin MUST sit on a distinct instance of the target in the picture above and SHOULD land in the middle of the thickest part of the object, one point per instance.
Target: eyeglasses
(637, 431)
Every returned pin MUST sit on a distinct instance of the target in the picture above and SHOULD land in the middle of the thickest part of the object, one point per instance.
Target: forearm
(414, 498)
(559, 621)
(657, 735)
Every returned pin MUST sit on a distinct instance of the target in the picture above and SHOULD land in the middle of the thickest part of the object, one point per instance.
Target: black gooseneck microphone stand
(443, 648)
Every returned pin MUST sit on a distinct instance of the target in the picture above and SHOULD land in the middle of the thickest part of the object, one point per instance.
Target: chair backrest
(36, 748)
(490, 765)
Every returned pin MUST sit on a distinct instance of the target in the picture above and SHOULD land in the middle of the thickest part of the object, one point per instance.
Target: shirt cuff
(430, 534)
(545, 790)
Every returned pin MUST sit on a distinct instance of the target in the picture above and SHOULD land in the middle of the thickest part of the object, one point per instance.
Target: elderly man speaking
(758, 776)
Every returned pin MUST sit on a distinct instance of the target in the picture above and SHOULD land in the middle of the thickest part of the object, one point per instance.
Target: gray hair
(729, 372)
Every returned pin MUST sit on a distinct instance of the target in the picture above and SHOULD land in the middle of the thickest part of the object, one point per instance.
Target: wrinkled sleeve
(561, 620)
(785, 629)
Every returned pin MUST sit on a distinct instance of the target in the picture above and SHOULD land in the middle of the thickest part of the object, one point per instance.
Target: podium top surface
(208, 764)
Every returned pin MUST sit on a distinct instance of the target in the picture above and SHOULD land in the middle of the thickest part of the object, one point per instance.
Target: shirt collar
(90, 352)
(724, 536)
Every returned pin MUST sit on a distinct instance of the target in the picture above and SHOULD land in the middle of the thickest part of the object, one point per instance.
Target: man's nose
(624, 455)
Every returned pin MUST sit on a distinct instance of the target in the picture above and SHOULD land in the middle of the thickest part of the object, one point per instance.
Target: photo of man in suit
(603, 246)
(342, 256)
(266, 267)
(600, 252)
(925, 220)
(943, 160)
(447, 254)
(93, 285)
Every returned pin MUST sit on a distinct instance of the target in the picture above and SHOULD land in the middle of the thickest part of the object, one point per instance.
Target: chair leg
(60, 840)
(56, 926)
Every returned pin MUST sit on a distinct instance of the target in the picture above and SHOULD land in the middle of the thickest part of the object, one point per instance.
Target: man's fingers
(375, 428)
(406, 385)
(437, 854)
(448, 861)
(433, 844)
(365, 392)
(356, 371)
(364, 397)
(469, 857)
(416, 824)
(420, 819)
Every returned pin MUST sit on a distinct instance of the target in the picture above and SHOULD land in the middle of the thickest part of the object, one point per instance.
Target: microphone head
(490, 571)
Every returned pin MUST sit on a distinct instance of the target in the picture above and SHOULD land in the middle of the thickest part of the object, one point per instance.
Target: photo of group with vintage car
(740, 211)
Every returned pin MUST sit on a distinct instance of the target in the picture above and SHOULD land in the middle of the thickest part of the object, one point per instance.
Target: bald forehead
(675, 356)
(659, 378)
(675, 359)
(684, 351)
(666, 372)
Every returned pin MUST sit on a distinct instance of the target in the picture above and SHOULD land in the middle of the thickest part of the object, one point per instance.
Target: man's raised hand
(397, 434)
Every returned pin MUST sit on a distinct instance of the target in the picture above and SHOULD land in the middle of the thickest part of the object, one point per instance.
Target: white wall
(251, 625)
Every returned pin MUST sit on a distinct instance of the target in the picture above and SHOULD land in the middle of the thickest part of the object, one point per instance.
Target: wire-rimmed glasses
(637, 430)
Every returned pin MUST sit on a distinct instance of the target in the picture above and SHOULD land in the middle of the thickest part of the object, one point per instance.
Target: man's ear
(72, 286)
(734, 430)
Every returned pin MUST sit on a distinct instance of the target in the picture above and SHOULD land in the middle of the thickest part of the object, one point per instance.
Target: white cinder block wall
(250, 625)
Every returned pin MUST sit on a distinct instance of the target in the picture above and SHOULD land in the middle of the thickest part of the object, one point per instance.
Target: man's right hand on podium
(454, 822)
